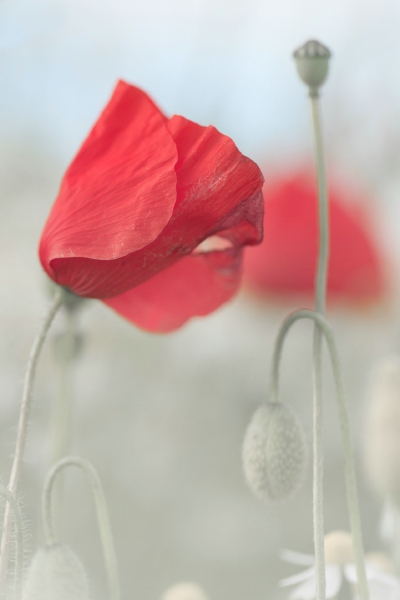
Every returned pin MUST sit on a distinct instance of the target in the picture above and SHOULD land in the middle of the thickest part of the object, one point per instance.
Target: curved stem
(320, 304)
(351, 485)
(103, 519)
(19, 539)
(61, 418)
(22, 429)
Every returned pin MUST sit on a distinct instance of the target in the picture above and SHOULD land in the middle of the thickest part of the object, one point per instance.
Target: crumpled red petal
(194, 286)
(285, 263)
(218, 191)
(120, 190)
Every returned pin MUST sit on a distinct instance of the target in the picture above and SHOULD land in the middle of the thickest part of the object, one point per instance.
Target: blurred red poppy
(285, 263)
(137, 203)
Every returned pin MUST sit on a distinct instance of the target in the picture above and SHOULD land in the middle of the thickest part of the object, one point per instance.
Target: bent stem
(61, 417)
(22, 429)
(19, 539)
(351, 485)
(320, 303)
(103, 519)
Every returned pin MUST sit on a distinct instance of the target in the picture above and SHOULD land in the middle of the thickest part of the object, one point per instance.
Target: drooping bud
(56, 573)
(274, 452)
(382, 430)
(184, 591)
(312, 62)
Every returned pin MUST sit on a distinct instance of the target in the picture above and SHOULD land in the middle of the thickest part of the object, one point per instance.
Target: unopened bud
(184, 591)
(56, 573)
(274, 453)
(312, 62)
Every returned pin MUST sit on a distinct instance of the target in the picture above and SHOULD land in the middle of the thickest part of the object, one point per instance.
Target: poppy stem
(349, 466)
(22, 431)
(60, 429)
(103, 519)
(19, 538)
(320, 306)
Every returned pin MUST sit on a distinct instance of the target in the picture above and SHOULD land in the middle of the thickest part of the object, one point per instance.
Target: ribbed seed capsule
(56, 573)
(274, 453)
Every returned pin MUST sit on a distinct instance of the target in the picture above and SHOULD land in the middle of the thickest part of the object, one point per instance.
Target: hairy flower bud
(184, 591)
(56, 573)
(382, 430)
(274, 452)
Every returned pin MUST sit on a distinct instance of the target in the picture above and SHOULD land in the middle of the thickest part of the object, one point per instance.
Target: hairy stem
(103, 519)
(22, 431)
(19, 539)
(320, 303)
(351, 485)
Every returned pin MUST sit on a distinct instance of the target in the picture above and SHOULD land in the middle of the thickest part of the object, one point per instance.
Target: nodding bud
(56, 573)
(312, 62)
(338, 548)
(274, 452)
(382, 430)
(184, 591)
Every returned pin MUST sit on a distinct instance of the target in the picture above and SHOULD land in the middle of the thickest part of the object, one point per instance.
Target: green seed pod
(312, 62)
(56, 573)
(274, 453)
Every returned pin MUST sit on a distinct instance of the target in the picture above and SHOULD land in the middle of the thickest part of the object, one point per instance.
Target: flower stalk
(12, 503)
(22, 430)
(349, 466)
(103, 519)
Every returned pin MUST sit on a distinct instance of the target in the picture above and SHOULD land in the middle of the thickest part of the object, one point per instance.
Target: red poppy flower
(135, 206)
(285, 263)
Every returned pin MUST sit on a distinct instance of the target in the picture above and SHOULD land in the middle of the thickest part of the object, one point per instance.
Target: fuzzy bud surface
(274, 453)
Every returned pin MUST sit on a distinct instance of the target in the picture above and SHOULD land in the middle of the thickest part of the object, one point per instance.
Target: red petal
(118, 193)
(286, 261)
(219, 191)
(194, 286)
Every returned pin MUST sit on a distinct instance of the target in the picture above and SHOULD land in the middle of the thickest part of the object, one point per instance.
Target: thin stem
(61, 418)
(351, 485)
(320, 304)
(103, 519)
(22, 429)
(19, 539)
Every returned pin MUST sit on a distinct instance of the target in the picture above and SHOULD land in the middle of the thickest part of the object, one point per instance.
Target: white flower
(340, 568)
(184, 591)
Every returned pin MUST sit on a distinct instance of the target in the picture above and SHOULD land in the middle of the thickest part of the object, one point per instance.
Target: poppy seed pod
(382, 430)
(184, 591)
(274, 453)
(312, 62)
(56, 573)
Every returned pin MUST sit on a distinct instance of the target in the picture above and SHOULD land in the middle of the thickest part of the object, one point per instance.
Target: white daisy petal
(296, 558)
(381, 591)
(304, 591)
(333, 580)
(350, 573)
(298, 577)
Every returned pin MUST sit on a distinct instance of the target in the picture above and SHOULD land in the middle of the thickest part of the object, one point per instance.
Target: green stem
(22, 430)
(351, 485)
(103, 519)
(320, 305)
(61, 419)
(19, 539)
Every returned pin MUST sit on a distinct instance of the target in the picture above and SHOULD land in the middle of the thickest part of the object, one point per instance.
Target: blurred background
(163, 417)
